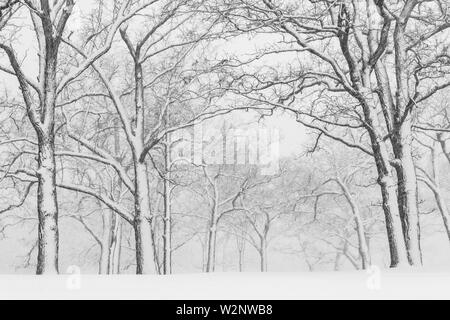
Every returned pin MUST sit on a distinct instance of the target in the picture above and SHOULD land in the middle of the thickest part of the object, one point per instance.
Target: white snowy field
(417, 284)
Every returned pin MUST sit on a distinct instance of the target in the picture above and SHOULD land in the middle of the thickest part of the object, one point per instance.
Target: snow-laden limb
(116, 207)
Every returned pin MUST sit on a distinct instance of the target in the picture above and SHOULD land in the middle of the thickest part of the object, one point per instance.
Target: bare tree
(49, 21)
(432, 181)
(220, 203)
(169, 85)
(374, 55)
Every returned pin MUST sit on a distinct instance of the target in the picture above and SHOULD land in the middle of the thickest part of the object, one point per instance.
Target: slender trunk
(443, 209)
(435, 187)
(241, 251)
(212, 238)
(362, 243)
(263, 255)
(167, 235)
(337, 261)
(167, 215)
(107, 235)
(116, 227)
(100, 261)
(116, 247)
(142, 222)
(156, 259)
(214, 249)
(407, 191)
(47, 206)
(212, 233)
(442, 205)
(203, 243)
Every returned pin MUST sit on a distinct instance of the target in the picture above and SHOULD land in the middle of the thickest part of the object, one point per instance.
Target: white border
(250, 286)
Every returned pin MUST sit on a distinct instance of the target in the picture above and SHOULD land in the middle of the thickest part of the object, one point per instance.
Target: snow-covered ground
(373, 284)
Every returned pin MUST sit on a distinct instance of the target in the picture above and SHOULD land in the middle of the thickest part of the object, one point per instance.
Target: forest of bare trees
(160, 137)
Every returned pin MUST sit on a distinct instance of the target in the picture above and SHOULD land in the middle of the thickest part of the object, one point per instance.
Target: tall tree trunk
(47, 205)
(142, 222)
(116, 226)
(388, 188)
(401, 140)
(145, 256)
(44, 125)
(407, 191)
